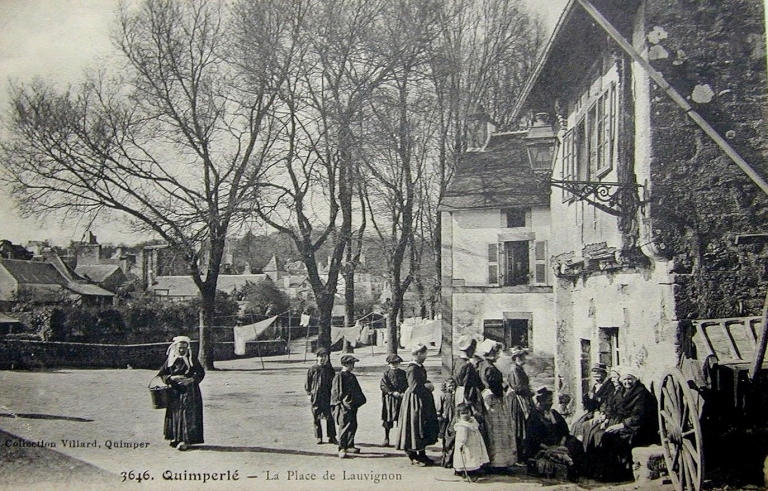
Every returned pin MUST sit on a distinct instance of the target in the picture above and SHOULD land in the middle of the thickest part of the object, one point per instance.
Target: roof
(184, 286)
(499, 176)
(570, 50)
(96, 272)
(89, 290)
(32, 272)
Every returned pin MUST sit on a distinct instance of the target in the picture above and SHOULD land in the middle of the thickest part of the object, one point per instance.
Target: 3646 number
(137, 476)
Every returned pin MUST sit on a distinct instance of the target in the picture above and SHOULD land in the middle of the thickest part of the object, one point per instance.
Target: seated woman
(547, 438)
(633, 423)
(602, 389)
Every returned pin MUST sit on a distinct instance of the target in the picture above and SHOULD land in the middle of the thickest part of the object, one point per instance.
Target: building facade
(495, 226)
(646, 206)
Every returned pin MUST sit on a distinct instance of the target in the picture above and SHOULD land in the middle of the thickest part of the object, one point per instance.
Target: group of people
(620, 414)
(488, 422)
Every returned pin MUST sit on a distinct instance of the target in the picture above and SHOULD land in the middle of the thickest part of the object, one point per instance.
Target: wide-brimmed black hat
(321, 351)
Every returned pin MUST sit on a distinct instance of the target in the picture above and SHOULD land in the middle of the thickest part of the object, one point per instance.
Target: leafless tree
(479, 64)
(177, 140)
(339, 68)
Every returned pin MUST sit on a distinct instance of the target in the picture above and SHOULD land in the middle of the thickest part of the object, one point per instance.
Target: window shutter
(540, 257)
(493, 264)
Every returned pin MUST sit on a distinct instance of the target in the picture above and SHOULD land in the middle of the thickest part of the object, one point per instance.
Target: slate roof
(89, 289)
(96, 272)
(499, 176)
(184, 286)
(33, 272)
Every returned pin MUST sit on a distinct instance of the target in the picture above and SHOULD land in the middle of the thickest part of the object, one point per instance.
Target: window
(516, 267)
(493, 264)
(515, 217)
(588, 147)
(609, 346)
(509, 332)
(540, 255)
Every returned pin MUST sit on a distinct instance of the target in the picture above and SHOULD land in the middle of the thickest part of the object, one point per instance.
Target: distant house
(497, 282)
(9, 250)
(184, 288)
(107, 276)
(43, 282)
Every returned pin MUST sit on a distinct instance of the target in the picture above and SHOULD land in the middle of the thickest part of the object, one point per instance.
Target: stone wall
(48, 354)
(713, 53)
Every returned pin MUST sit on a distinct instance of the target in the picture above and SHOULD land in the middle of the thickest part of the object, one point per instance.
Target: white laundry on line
(250, 332)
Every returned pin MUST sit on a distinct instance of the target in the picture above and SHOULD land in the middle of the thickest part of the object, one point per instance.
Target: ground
(257, 426)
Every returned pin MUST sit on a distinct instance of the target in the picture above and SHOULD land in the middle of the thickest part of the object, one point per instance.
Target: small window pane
(493, 255)
(515, 217)
(541, 273)
(541, 247)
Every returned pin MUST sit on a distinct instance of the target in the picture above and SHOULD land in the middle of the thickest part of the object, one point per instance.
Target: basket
(162, 395)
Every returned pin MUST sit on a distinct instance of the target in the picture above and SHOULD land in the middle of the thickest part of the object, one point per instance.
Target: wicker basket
(162, 395)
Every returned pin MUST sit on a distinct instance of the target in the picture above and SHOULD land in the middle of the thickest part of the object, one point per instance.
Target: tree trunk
(205, 347)
(393, 343)
(349, 298)
(325, 311)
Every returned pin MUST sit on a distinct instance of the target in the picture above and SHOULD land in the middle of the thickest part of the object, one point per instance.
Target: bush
(264, 296)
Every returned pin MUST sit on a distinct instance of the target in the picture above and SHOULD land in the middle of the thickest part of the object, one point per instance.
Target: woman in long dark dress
(522, 403)
(418, 425)
(184, 415)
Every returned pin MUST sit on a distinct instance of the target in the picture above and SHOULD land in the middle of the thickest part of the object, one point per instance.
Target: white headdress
(173, 351)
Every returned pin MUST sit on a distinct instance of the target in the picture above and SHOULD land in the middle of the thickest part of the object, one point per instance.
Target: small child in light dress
(470, 453)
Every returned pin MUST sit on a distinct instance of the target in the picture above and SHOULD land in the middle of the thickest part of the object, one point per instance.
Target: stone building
(495, 226)
(646, 204)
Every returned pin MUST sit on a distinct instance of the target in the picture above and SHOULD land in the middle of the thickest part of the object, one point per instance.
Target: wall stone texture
(701, 200)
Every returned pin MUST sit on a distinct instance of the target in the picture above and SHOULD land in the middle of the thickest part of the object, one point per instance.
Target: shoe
(342, 454)
(386, 442)
(419, 463)
(181, 446)
(333, 441)
(319, 441)
(174, 443)
(353, 450)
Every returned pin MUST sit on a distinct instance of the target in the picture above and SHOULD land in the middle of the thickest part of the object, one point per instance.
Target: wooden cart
(716, 398)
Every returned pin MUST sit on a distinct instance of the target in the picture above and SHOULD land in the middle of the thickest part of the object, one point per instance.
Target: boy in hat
(318, 388)
(393, 384)
(346, 398)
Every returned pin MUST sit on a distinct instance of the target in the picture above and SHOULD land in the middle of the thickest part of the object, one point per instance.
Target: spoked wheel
(679, 413)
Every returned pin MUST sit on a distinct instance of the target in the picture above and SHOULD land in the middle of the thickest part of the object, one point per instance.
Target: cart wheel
(680, 429)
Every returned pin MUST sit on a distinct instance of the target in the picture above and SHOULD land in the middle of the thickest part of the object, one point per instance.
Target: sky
(57, 40)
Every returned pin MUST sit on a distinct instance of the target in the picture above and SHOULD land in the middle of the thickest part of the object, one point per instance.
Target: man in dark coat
(418, 424)
(183, 424)
(318, 388)
(346, 398)
(636, 425)
(393, 384)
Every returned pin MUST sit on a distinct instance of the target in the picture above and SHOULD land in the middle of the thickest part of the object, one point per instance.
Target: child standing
(318, 388)
(393, 384)
(346, 398)
(470, 452)
(445, 415)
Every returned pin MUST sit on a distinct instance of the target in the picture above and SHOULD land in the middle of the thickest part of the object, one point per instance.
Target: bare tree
(479, 63)
(340, 66)
(177, 142)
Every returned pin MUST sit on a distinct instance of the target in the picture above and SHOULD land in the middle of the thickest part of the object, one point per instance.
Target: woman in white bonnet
(184, 415)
